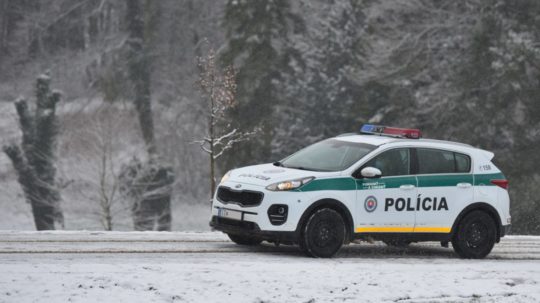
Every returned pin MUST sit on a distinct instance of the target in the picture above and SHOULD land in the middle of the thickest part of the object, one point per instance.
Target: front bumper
(260, 214)
(252, 229)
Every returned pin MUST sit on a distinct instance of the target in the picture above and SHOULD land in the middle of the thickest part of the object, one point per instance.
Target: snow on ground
(261, 277)
(16, 214)
(206, 267)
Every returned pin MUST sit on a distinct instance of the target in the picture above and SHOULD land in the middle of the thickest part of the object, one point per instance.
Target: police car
(384, 184)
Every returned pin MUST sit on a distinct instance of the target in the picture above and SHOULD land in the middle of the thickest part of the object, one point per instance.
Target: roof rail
(347, 134)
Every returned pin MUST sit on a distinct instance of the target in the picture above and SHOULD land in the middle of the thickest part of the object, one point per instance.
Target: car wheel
(244, 240)
(475, 236)
(323, 234)
(397, 243)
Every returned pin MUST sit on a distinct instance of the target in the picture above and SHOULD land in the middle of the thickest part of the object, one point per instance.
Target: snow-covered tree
(35, 159)
(497, 104)
(320, 89)
(219, 96)
(151, 180)
(259, 46)
(149, 187)
(459, 70)
(464, 71)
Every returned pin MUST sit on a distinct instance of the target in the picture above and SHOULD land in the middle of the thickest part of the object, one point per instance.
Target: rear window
(435, 161)
(463, 163)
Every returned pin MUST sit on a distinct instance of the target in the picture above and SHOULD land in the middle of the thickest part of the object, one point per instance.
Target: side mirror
(371, 172)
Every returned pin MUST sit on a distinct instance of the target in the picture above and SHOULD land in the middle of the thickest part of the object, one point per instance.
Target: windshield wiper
(309, 168)
(301, 168)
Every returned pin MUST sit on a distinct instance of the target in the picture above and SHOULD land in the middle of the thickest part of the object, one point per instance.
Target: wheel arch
(483, 206)
(332, 204)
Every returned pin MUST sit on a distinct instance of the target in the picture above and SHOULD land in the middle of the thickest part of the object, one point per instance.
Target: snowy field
(206, 267)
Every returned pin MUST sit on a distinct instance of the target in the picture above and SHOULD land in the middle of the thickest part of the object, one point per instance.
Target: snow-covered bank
(260, 277)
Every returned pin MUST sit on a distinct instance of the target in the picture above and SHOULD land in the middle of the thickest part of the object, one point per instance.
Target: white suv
(384, 184)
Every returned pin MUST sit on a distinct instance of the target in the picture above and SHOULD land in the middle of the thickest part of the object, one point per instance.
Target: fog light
(277, 214)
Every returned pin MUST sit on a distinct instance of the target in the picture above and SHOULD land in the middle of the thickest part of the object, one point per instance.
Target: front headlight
(289, 185)
(225, 177)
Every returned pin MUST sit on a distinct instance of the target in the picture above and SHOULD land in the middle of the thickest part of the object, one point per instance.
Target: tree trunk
(3, 27)
(212, 159)
(212, 174)
(151, 206)
(34, 161)
(149, 185)
(139, 72)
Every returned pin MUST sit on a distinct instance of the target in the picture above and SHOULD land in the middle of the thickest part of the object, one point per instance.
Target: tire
(475, 236)
(397, 243)
(244, 240)
(323, 233)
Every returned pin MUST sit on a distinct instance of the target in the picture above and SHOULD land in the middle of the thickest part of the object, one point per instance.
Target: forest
(116, 103)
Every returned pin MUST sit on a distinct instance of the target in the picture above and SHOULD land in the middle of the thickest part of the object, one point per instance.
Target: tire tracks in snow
(510, 248)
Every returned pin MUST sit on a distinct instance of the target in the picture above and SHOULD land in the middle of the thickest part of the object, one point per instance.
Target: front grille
(242, 197)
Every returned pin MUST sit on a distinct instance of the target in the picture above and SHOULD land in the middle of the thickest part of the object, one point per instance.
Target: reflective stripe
(423, 229)
(406, 229)
(383, 229)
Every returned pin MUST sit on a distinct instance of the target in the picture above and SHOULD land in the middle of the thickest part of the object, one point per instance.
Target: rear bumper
(246, 228)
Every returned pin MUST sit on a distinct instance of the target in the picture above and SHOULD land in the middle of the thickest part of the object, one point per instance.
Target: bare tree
(34, 160)
(96, 171)
(103, 134)
(219, 95)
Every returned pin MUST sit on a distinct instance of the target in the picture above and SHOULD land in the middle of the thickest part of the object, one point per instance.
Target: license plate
(230, 214)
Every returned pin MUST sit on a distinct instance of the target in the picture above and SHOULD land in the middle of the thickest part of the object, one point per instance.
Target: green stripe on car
(382, 183)
(485, 179)
(444, 180)
(330, 184)
(349, 183)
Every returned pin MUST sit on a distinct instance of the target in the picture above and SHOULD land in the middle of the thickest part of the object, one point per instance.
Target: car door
(444, 188)
(384, 204)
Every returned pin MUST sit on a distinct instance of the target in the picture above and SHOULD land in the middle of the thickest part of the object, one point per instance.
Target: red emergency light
(391, 131)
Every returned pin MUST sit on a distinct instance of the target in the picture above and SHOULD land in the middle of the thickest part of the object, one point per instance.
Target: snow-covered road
(206, 267)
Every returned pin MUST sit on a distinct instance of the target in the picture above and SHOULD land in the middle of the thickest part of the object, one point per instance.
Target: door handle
(407, 186)
(464, 185)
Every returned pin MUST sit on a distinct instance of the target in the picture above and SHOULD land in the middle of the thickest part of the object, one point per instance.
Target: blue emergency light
(391, 131)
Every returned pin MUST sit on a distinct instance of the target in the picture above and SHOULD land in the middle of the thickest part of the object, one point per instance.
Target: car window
(463, 163)
(394, 162)
(435, 161)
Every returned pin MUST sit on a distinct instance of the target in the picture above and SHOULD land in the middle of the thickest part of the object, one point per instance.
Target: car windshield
(328, 155)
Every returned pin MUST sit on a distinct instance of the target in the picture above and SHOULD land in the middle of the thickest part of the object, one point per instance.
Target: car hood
(266, 174)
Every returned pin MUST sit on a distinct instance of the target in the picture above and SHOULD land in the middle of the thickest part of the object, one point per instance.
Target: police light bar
(391, 131)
